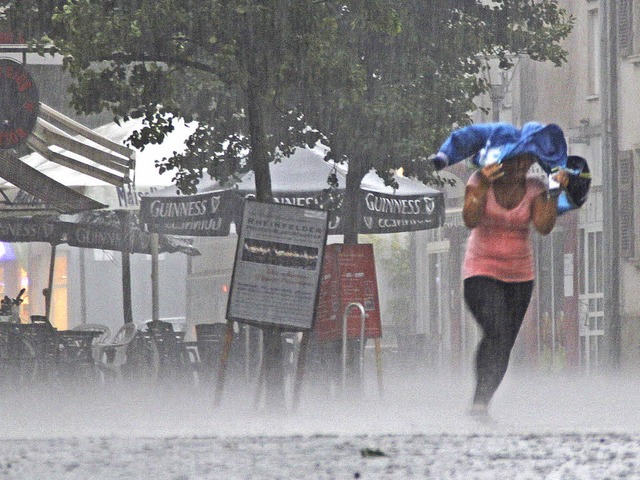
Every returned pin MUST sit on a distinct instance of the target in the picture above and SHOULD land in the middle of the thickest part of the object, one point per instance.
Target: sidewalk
(545, 427)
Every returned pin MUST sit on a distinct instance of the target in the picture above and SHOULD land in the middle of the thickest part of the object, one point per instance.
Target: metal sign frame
(277, 268)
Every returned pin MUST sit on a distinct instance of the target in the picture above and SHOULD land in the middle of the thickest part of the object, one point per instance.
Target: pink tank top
(500, 247)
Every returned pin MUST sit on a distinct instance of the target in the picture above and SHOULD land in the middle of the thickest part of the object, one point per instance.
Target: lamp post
(498, 80)
(497, 94)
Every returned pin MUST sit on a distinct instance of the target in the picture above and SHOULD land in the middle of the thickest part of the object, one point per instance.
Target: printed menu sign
(277, 268)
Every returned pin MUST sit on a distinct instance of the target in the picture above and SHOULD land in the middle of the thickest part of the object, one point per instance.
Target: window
(628, 12)
(625, 31)
(627, 236)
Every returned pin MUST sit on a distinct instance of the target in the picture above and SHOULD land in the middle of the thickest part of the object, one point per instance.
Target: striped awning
(68, 143)
(54, 195)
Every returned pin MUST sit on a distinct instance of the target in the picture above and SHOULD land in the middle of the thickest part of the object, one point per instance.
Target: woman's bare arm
(545, 213)
(545, 207)
(475, 196)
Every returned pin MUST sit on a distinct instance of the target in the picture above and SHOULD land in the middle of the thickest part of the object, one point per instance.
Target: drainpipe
(611, 256)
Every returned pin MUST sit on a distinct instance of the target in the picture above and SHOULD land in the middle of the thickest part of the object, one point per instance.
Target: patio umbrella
(300, 179)
(95, 229)
(99, 230)
(102, 230)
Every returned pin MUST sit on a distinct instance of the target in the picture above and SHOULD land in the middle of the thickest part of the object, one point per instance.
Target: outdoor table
(75, 353)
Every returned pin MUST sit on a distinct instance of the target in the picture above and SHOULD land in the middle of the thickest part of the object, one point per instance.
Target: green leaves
(382, 82)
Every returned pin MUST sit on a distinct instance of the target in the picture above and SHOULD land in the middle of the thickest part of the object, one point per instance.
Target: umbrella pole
(49, 294)
(126, 287)
(83, 286)
(155, 303)
(125, 225)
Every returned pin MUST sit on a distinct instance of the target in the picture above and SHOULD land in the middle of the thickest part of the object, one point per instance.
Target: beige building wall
(574, 97)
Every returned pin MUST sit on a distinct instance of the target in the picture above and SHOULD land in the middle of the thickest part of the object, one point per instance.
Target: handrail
(344, 340)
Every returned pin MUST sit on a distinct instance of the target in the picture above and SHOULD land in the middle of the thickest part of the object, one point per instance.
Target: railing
(344, 341)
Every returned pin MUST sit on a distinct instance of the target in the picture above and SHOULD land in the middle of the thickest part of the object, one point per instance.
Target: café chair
(210, 340)
(105, 332)
(111, 356)
(18, 357)
(173, 358)
(44, 339)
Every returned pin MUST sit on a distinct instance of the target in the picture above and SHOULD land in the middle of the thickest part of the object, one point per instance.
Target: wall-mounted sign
(19, 103)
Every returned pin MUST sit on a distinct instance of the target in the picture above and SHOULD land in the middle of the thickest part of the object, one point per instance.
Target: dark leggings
(499, 307)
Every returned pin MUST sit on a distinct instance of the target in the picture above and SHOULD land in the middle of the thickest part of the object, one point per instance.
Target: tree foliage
(416, 84)
(382, 82)
(27, 19)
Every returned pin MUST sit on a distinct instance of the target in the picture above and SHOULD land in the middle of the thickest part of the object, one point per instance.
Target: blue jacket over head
(497, 142)
(487, 143)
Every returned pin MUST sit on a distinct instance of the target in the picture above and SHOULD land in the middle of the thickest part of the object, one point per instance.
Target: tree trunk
(124, 216)
(273, 371)
(259, 158)
(259, 155)
(351, 206)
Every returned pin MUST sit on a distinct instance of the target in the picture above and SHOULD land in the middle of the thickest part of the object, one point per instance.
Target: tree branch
(169, 59)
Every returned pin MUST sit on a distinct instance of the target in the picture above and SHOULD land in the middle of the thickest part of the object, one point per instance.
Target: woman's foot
(479, 410)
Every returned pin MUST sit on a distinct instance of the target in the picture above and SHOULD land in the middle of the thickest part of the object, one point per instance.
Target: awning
(64, 141)
(52, 193)
(102, 158)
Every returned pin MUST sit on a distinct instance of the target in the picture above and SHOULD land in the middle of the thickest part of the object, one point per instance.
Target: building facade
(585, 312)
(623, 29)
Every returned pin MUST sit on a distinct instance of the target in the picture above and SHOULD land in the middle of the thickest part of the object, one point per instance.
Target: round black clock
(19, 103)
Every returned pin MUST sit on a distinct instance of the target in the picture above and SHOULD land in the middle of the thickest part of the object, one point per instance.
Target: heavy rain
(273, 239)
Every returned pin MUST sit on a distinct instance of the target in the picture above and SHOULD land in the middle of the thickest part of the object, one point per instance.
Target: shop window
(59, 313)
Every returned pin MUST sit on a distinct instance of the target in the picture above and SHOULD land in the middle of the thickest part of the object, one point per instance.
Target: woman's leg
(499, 309)
(518, 297)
